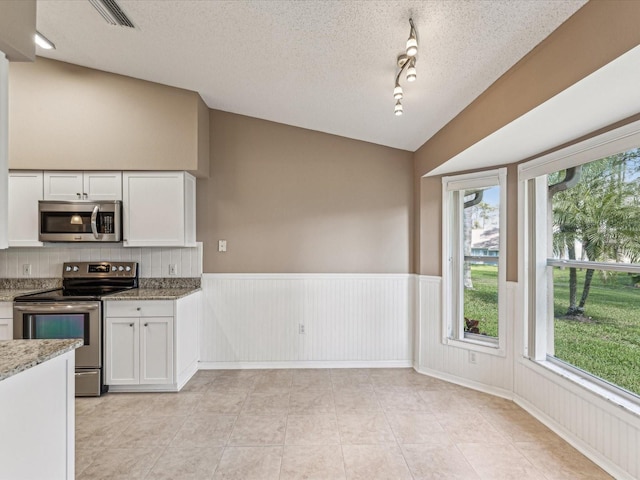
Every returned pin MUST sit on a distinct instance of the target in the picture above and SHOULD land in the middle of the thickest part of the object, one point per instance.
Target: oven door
(48, 320)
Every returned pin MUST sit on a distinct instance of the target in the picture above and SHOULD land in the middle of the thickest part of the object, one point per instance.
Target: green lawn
(481, 303)
(607, 345)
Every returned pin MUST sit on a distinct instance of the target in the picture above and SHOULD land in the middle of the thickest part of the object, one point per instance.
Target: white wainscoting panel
(46, 262)
(254, 320)
(604, 432)
(490, 373)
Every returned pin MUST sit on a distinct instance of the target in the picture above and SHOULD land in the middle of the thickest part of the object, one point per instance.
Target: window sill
(608, 394)
(490, 348)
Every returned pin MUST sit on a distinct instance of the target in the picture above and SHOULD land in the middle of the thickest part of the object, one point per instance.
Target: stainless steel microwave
(80, 221)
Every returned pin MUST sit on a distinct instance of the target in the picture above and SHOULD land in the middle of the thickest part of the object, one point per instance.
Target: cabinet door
(122, 351)
(156, 350)
(153, 209)
(6, 328)
(6, 321)
(102, 186)
(63, 186)
(25, 189)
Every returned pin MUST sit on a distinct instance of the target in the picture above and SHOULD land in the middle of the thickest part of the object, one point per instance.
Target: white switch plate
(173, 269)
(473, 358)
(222, 245)
(26, 270)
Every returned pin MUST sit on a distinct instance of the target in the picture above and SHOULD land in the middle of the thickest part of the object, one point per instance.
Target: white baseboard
(169, 387)
(463, 382)
(304, 364)
(186, 375)
(592, 454)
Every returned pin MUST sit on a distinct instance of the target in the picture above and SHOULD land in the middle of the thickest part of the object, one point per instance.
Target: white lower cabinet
(6, 321)
(151, 345)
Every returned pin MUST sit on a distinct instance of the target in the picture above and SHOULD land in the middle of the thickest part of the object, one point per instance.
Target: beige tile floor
(318, 424)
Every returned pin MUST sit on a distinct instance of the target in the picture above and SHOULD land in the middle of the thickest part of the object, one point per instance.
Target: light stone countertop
(11, 288)
(7, 294)
(152, 294)
(19, 355)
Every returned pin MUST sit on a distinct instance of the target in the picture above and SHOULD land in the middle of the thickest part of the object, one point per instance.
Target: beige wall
(597, 34)
(63, 116)
(288, 199)
(17, 29)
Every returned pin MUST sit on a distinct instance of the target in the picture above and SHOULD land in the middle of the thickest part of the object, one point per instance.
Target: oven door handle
(94, 220)
(46, 307)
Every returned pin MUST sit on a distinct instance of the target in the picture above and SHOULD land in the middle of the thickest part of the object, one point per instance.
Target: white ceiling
(318, 64)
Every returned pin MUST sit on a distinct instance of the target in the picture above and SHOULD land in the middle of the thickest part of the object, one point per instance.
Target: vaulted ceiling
(318, 64)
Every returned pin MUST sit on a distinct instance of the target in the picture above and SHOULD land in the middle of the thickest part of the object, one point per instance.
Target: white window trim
(535, 282)
(452, 328)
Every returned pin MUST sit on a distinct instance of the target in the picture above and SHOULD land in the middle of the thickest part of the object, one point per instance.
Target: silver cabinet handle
(85, 196)
(79, 196)
(84, 374)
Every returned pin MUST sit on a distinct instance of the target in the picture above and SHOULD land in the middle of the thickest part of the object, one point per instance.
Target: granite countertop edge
(152, 294)
(16, 356)
(8, 295)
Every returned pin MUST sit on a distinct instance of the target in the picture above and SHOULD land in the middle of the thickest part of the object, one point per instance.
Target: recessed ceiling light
(44, 42)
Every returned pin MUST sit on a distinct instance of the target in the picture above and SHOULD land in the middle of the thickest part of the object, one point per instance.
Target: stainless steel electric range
(75, 311)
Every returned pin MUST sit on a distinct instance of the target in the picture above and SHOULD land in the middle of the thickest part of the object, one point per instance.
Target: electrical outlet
(301, 329)
(222, 245)
(26, 270)
(173, 269)
(472, 358)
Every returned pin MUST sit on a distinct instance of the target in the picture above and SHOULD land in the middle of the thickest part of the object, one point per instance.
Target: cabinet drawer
(6, 310)
(139, 308)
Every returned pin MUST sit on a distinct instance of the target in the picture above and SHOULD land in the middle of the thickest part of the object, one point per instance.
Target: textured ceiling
(318, 64)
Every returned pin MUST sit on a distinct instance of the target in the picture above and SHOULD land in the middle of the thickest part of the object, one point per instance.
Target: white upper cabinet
(102, 186)
(81, 186)
(25, 189)
(159, 209)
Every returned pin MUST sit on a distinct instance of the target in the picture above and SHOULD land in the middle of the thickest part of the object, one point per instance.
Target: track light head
(398, 109)
(411, 71)
(412, 42)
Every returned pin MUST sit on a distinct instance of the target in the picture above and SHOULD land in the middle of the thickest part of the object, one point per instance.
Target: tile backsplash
(46, 262)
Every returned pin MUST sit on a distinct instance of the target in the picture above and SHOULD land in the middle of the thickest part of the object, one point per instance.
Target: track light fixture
(406, 60)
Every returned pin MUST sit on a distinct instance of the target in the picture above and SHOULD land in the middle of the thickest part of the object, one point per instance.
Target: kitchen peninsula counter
(19, 355)
(37, 409)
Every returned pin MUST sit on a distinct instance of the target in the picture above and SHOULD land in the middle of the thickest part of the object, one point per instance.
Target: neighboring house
(485, 243)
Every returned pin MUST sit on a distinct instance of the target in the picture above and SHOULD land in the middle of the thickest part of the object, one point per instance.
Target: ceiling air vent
(111, 12)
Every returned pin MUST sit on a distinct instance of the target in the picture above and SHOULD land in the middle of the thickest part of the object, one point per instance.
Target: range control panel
(100, 270)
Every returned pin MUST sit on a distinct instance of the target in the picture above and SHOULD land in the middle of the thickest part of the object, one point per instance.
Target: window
(581, 262)
(474, 275)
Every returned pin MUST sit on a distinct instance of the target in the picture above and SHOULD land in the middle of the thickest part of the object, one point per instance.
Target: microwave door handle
(94, 219)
